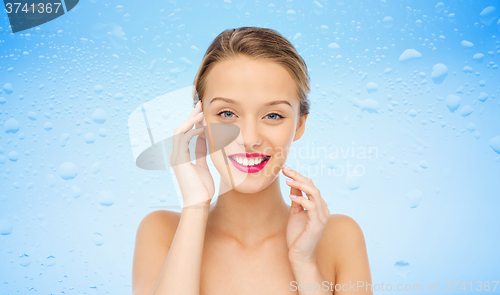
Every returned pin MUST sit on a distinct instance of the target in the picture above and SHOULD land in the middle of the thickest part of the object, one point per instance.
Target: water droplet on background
(439, 73)
(352, 182)
(68, 170)
(24, 260)
(5, 227)
(439, 7)
(48, 126)
(106, 198)
(402, 269)
(478, 57)
(466, 44)
(13, 156)
(291, 15)
(118, 96)
(76, 191)
(96, 167)
(452, 102)
(32, 116)
(488, 15)
(103, 132)
(334, 46)
(409, 54)
(11, 126)
(495, 144)
(64, 139)
(414, 197)
(99, 116)
(50, 261)
(90, 138)
(371, 87)
(466, 110)
(51, 180)
(98, 238)
(98, 89)
(482, 97)
(7, 87)
(387, 22)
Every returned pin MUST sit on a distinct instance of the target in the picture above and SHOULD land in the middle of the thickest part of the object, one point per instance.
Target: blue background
(71, 197)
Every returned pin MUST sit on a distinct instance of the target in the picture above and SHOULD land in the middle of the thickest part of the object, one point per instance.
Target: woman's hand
(304, 226)
(195, 181)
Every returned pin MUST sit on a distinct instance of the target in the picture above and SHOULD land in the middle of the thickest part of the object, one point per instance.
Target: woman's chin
(249, 182)
(249, 188)
(252, 182)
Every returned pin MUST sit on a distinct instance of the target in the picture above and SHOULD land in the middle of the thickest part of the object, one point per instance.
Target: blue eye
(276, 117)
(225, 112)
(229, 114)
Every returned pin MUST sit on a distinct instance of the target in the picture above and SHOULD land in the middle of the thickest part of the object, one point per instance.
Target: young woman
(249, 241)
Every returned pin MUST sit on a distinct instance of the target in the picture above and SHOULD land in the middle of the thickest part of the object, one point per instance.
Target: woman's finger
(310, 206)
(183, 128)
(188, 124)
(181, 147)
(295, 175)
(198, 125)
(197, 108)
(186, 138)
(295, 207)
(288, 172)
(201, 149)
(293, 191)
(312, 193)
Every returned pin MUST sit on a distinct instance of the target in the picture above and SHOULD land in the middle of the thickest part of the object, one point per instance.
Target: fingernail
(289, 180)
(286, 167)
(198, 103)
(199, 114)
(293, 196)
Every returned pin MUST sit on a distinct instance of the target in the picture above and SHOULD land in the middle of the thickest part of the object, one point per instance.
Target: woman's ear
(301, 126)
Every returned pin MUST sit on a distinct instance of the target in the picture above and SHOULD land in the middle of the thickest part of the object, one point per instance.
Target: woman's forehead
(242, 78)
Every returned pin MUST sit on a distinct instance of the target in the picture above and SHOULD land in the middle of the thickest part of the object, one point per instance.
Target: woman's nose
(249, 136)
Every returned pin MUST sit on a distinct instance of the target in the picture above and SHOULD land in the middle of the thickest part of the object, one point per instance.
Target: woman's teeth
(249, 161)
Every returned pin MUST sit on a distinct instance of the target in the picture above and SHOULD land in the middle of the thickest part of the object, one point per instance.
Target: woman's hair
(259, 43)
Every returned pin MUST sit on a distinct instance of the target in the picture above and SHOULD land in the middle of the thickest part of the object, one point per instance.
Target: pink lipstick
(249, 163)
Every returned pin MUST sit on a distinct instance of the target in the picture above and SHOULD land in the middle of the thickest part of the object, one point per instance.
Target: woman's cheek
(218, 161)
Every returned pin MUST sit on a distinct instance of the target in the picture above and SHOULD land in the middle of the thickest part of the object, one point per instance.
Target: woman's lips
(249, 169)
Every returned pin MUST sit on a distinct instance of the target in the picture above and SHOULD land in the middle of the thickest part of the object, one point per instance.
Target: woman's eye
(225, 112)
(274, 116)
(229, 114)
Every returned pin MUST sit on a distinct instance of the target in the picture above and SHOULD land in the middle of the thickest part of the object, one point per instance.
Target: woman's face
(259, 97)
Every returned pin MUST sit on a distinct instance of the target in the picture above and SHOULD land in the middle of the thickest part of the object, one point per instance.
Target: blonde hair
(259, 43)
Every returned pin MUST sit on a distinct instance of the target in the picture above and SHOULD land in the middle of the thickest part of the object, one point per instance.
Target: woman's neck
(250, 218)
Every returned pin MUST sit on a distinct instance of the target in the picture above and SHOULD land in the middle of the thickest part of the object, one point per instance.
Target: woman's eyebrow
(228, 100)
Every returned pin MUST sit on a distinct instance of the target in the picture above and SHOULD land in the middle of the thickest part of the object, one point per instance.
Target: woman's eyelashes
(271, 116)
(225, 112)
(275, 116)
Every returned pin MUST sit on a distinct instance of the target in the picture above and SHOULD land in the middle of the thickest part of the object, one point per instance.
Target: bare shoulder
(347, 248)
(344, 226)
(344, 234)
(154, 236)
(159, 224)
